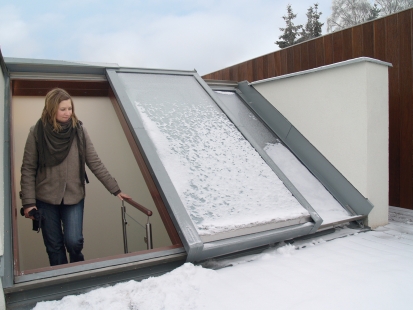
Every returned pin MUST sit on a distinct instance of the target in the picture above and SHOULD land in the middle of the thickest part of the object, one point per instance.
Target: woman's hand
(122, 196)
(27, 210)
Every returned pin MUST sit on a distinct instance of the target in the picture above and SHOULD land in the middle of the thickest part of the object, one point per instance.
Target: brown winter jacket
(61, 183)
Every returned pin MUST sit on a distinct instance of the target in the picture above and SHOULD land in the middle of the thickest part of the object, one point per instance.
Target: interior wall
(343, 112)
(102, 227)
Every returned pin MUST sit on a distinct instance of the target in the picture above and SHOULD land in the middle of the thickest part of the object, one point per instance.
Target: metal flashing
(322, 68)
(56, 76)
(40, 66)
(156, 71)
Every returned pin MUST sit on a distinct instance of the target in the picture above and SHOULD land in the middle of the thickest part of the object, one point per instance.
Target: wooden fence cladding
(389, 39)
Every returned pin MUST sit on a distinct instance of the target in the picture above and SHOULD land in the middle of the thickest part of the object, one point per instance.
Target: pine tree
(313, 27)
(290, 31)
(374, 12)
(317, 26)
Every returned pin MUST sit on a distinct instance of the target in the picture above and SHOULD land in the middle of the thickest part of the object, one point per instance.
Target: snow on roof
(349, 268)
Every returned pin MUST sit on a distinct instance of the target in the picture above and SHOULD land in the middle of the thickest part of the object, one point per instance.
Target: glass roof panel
(222, 181)
(327, 207)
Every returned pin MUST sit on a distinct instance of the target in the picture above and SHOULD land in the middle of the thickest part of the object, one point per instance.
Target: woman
(53, 176)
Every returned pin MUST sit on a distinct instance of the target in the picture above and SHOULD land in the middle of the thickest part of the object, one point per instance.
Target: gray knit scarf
(53, 147)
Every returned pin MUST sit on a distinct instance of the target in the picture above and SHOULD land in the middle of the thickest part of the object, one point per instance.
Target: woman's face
(64, 111)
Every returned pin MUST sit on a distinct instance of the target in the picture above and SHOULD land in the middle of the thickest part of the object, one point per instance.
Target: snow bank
(179, 289)
(372, 269)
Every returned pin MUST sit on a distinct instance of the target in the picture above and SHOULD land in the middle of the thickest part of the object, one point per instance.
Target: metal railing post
(125, 237)
(149, 242)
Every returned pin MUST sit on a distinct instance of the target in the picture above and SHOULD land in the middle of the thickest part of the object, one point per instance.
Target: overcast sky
(205, 35)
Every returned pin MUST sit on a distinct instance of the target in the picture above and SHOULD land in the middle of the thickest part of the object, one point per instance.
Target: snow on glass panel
(222, 181)
(327, 207)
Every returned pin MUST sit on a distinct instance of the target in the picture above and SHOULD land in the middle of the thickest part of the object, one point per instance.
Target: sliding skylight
(222, 181)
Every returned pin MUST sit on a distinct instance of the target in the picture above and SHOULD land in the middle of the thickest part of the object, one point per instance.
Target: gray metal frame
(39, 66)
(110, 263)
(341, 189)
(7, 259)
(186, 229)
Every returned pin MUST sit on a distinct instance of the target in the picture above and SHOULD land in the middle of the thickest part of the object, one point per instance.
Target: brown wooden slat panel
(74, 88)
(368, 39)
(320, 48)
(347, 44)
(357, 41)
(242, 72)
(296, 58)
(406, 110)
(72, 92)
(233, 73)
(36, 84)
(338, 46)
(304, 56)
(290, 60)
(225, 74)
(328, 50)
(270, 61)
(217, 75)
(258, 69)
(392, 55)
(312, 57)
(278, 62)
(265, 66)
(250, 76)
(283, 54)
(380, 39)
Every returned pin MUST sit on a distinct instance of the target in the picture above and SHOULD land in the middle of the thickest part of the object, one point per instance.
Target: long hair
(51, 104)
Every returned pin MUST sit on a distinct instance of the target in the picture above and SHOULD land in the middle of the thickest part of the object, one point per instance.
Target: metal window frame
(197, 249)
(7, 258)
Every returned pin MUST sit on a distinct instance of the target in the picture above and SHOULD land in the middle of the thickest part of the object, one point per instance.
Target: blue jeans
(62, 228)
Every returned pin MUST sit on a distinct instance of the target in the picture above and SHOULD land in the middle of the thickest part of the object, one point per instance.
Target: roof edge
(322, 68)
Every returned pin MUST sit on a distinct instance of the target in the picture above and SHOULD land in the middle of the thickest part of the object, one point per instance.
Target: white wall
(342, 110)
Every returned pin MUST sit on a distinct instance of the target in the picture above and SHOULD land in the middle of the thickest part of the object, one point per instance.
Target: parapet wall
(342, 109)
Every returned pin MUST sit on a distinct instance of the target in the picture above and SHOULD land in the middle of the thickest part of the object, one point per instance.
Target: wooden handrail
(138, 206)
